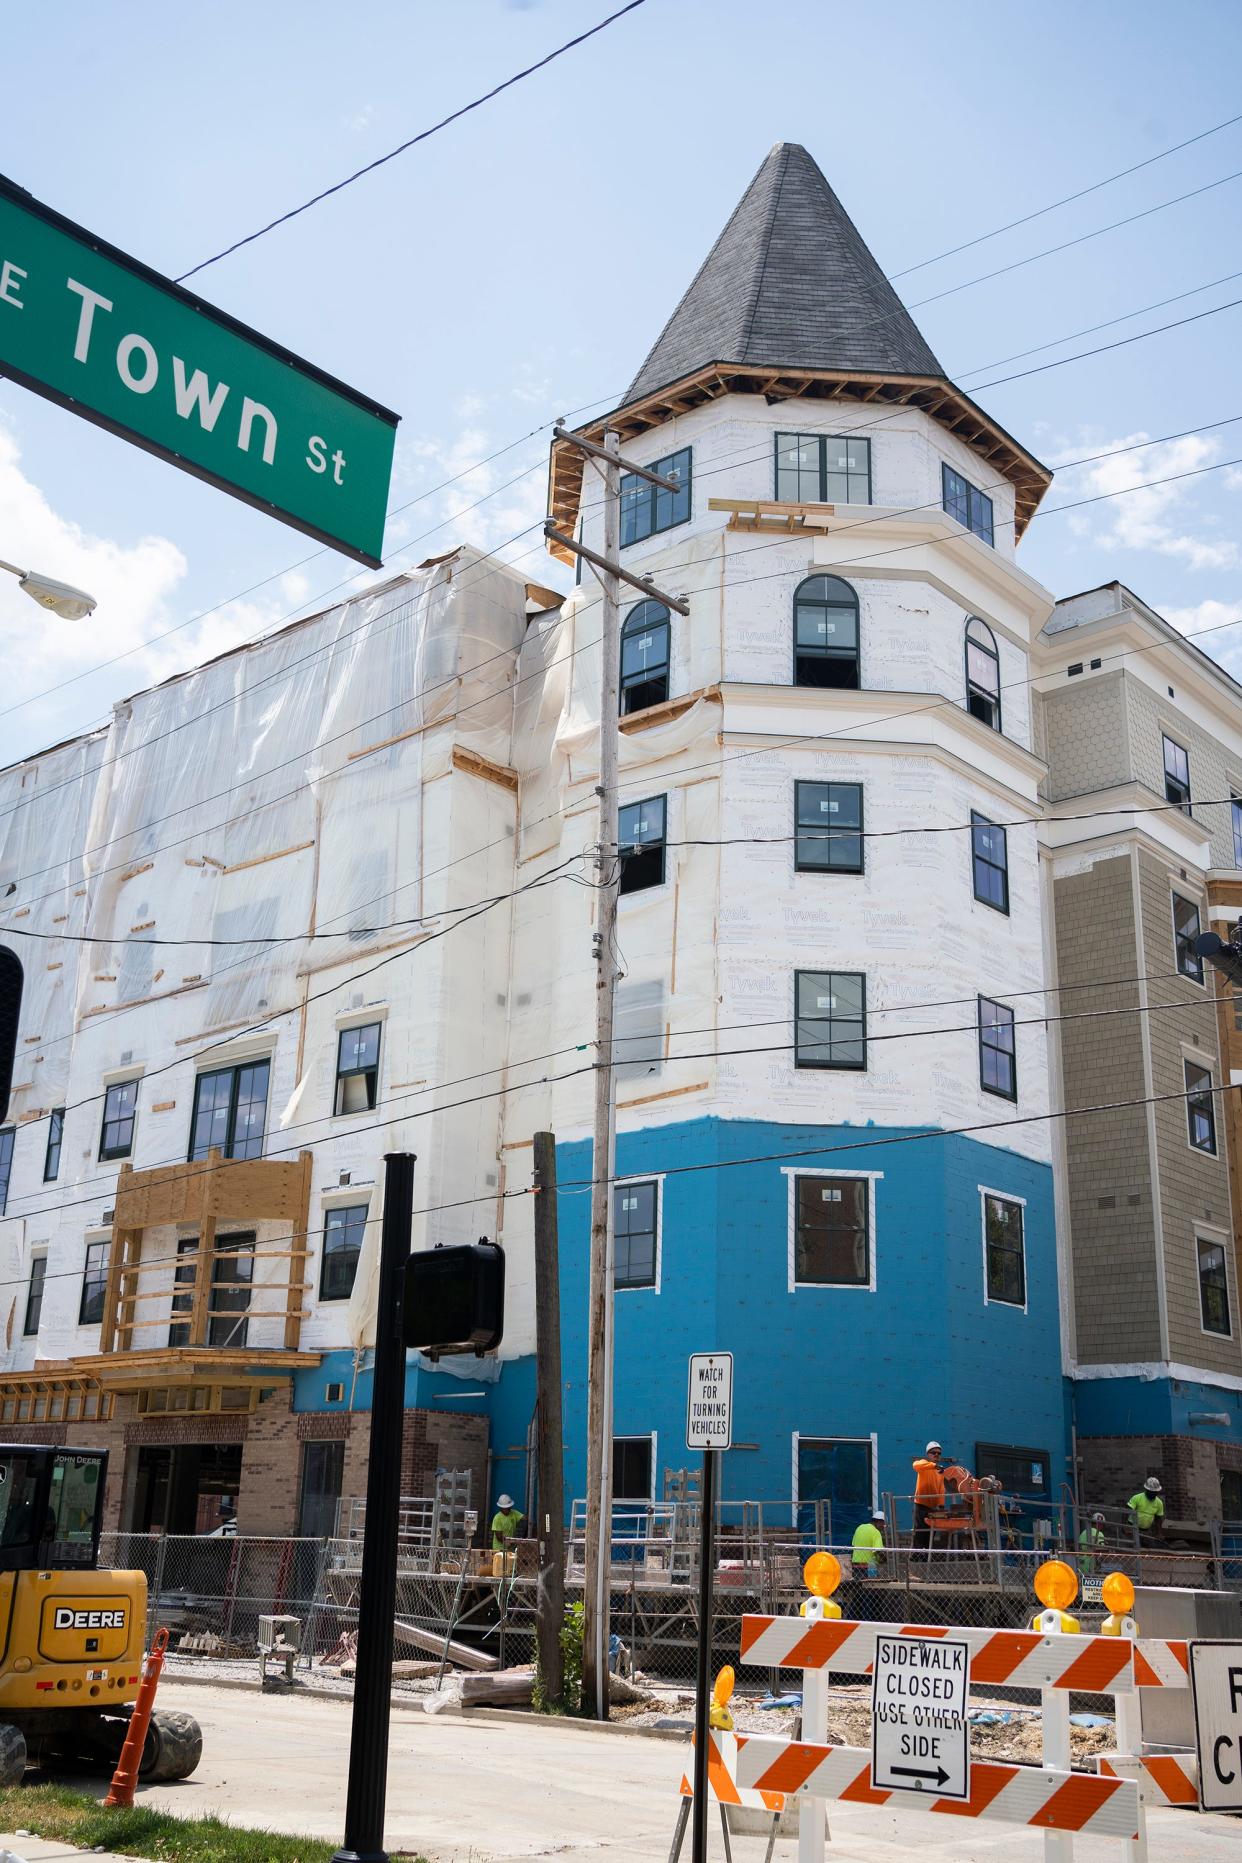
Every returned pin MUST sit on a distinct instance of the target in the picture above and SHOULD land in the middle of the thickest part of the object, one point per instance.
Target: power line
(1065, 199)
(411, 142)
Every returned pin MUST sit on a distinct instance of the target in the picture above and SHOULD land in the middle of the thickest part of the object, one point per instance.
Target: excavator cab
(73, 1646)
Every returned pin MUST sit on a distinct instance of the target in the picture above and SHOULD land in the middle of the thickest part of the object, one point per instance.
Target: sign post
(98, 332)
(1216, 1687)
(709, 1427)
(919, 1738)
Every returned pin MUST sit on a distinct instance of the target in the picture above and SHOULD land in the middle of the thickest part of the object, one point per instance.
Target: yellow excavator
(73, 1636)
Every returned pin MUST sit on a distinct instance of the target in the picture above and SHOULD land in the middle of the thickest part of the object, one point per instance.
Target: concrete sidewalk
(462, 1790)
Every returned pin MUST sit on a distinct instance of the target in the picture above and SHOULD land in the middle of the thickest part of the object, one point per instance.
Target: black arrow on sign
(940, 1776)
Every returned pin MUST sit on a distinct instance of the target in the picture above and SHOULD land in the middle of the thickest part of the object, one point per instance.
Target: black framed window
(635, 1220)
(116, 1137)
(230, 1111)
(830, 1018)
(646, 639)
(631, 1468)
(832, 1231)
(826, 634)
(647, 508)
(1200, 1108)
(55, 1135)
(357, 1069)
(7, 1136)
(828, 827)
(1213, 1287)
(231, 1280)
(323, 1475)
(343, 1232)
(34, 1295)
(1023, 1472)
(818, 468)
(998, 1065)
(184, 1276)
(1185, 937)
(1177, 775)
(94, 1284)
(1004, 1249)
(983, 699)
(641, 838)
(967, 503)
(1235, 812)
(989, 853)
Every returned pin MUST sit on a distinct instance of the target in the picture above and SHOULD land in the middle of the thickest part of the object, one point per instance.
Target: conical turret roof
(790, 284)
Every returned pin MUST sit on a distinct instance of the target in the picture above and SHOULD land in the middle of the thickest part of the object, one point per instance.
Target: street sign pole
(377, 1591)
(709, 1427)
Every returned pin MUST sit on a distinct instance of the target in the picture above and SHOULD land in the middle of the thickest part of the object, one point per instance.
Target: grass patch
(57, 1812)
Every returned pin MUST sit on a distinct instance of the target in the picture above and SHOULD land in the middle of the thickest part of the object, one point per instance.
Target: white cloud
(360, 120)
(1157, 518)
(1215, 626)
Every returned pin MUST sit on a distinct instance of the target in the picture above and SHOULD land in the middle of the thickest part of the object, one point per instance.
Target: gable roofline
(933, 395)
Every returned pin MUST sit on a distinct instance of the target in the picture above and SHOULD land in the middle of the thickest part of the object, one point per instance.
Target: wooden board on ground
(510, 1688)
(433, 1642)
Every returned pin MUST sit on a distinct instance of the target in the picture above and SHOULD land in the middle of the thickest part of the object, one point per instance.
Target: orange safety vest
(928, 1483)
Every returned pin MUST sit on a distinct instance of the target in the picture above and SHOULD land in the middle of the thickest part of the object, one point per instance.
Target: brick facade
(1189, 1467)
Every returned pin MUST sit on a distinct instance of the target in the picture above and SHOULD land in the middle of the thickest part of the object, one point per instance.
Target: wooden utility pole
(550, 1598)
(609, 573)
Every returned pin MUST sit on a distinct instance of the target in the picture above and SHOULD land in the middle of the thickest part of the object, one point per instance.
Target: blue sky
(519, 264)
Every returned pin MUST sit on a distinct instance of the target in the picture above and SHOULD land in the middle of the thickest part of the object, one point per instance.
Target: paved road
(465, 1792)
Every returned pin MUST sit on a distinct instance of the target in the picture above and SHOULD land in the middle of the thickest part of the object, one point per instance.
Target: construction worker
(505, 1523)
(1147, 1508)
(1090, 1542)
(928, 1495)
(866, 1547)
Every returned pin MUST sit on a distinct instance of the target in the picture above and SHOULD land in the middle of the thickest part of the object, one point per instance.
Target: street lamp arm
(60, 597)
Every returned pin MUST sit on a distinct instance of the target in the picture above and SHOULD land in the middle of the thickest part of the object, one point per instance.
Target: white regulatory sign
(919, 1738)
(709, 1404)
(1216, 1683)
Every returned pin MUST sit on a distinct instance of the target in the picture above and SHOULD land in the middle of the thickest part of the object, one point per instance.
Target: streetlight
(61, 597)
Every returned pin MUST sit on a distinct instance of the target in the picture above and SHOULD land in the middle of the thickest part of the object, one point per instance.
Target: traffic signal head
(455, 1299)
(10, 1011)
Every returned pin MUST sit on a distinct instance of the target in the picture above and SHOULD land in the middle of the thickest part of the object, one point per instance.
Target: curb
(510, 1717)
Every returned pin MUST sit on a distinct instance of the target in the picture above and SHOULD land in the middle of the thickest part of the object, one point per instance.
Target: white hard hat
(1097, 1519)
(930, 1447)
(1152, 1484)
(505, 1503)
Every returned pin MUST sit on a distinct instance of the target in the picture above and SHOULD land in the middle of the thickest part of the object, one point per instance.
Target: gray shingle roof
(789, 284)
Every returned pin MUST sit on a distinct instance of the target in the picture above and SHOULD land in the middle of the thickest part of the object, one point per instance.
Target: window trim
(792, 1285)
(817, 1436)
(360, 1202)
(627, 627)
(235, 1069)
(831, 1067)
(638, 1436)
(1003, 1196)
(972, 491)
(9, 1132)
(1187, 976)
(29, 1331)
(89, 1242)
(645, 1287)
(351, 1027)
(1235, 819)
(830, 872)
(998, 1093)
(824, 575)
(1205, 1067)
(821, 440)
(644, 802)
(107, 1156)
(993, 652)
(55, 1123)
(665, 466)
(982, 821)
(1181, 803)
(1214, 1238)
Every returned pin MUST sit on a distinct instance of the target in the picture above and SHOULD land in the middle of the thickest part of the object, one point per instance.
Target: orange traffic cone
(125, 1778)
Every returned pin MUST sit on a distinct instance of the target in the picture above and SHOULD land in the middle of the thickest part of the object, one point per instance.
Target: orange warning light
(1117, 1592)
(1056, 1584)
(722, 1693)
(822, 1574)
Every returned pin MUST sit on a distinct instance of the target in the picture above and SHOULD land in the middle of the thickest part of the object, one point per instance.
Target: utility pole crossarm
(610, 568)
(627, 465)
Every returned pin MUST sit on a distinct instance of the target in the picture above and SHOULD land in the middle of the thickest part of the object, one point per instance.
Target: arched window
(645, 640)
(982, 674)
(826, 633)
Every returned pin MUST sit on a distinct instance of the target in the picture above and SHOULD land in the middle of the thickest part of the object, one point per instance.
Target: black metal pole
(703, 1680)
(377, 1591)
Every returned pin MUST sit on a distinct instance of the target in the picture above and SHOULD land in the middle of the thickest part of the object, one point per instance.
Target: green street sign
(103, 335)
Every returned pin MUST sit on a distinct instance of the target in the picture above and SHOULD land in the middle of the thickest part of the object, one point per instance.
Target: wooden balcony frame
(205, 1192)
